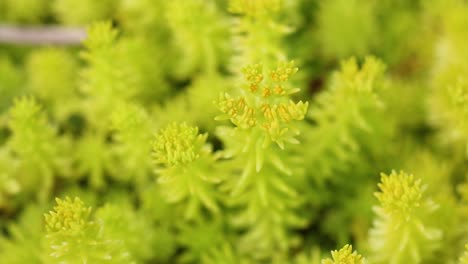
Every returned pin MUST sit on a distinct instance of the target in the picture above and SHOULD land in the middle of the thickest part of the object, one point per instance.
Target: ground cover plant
(235, 132)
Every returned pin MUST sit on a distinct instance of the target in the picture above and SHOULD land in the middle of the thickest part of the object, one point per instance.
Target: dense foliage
(236, 132)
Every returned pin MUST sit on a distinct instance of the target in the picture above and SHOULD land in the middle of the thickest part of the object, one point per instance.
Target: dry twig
(44, 35)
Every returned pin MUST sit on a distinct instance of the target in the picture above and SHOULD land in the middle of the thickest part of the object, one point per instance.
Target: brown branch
(47, 35)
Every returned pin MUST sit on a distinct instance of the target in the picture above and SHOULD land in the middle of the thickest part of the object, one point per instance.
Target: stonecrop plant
(235, 132)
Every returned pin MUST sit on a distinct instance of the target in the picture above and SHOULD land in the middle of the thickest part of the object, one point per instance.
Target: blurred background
(81, 60)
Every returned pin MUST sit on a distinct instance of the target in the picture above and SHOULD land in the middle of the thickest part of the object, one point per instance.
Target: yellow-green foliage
(235, 132)
(403, 231)
(72, 12)
(200, 40)
(464, 258)
(182, 160)
(72, 237)
(344, 256)
(10, 81)
(448, 102)
(24, 11)
(60, 92)
(347, 108)
(254, 8)
(35, 146)
(337, 20)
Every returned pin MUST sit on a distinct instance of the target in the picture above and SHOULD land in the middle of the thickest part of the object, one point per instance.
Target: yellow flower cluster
(68, 215)
(253, 74)
(266, 102)
(178, 144)
(364, 78)
(344, 256)
(400, 194)
(238, 111)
